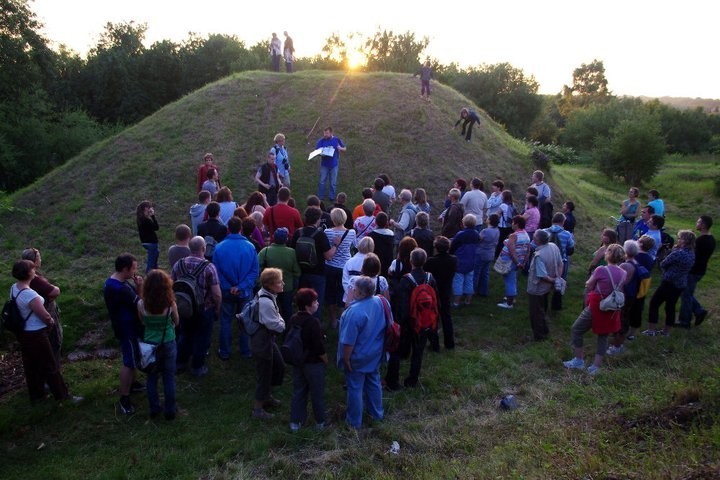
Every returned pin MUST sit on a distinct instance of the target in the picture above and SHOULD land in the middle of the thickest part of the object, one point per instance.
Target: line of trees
(53, 104)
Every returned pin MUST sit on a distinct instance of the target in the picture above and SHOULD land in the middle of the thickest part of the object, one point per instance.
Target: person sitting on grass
(599, 286)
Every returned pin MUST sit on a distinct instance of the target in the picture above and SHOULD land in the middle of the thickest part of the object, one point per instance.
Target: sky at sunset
(653, 48)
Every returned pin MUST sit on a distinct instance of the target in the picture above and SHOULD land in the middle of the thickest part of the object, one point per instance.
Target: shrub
(633, 151)
(558, 154)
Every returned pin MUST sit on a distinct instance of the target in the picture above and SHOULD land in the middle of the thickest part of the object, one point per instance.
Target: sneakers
(662, 333)
(294, 427)
(200, 372)
(593, 370)
(505, 305)
(261, 414)
(126, 406)
(630, 338)
(577, 363)
(74, 399)
(700, 317)
(651, 333)
(613, 350)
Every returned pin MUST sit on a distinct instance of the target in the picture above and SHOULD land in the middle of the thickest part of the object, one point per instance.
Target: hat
(281, 235)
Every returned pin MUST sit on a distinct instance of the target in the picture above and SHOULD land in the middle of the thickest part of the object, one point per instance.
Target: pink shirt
(533, 219)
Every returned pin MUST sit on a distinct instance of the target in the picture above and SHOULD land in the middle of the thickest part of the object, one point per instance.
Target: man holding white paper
(329, 146)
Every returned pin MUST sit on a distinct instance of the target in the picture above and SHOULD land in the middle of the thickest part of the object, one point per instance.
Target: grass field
(652, 413)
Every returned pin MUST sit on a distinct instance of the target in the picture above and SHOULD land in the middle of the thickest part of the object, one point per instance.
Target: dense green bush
(632, 151)
(558, 154)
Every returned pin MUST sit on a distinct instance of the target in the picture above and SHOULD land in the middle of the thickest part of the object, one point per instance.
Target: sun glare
(356, 60)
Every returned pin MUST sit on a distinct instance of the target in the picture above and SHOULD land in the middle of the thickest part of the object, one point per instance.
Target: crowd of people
(363, 264)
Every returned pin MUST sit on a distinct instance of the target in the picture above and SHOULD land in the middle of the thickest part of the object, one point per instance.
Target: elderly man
(406, 219)
(452, 219)
(546, 266)
(360, 352)
(195, 334)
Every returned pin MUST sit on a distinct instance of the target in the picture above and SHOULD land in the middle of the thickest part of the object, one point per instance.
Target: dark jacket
(311, 334)
(147, 228)
(214, 228)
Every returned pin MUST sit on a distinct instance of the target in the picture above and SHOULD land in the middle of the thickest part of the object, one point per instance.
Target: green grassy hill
(81, 215)
(652, 413)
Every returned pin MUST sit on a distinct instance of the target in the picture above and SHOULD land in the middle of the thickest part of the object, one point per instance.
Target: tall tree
(388, 52)
(589, 86)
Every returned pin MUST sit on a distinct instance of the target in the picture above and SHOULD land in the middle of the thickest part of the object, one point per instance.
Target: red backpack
(423, 304)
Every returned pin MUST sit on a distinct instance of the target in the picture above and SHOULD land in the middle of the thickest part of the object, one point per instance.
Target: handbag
(502, 266)
(392, 329)
(615, 300)
(149, 352)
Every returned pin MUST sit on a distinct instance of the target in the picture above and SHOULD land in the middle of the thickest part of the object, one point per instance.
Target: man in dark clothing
(213, 227)
(411, 342)
(443, 266)
(314, 276)
(340, 202)
(469, 118)
(381, 198)
(704, 248)
(452, 219)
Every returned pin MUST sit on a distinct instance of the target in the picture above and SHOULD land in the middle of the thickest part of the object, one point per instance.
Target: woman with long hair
(147, 228)
(227, 205)
(420, 200)
(159, 314)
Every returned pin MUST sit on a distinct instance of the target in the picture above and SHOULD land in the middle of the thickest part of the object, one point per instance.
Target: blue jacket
(236, 261)
(463, 246)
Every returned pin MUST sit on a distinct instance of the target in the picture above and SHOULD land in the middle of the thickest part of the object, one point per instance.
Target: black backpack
(305, 250)
(188, 298)
(12, 319)
(210, 244)
(293, 349)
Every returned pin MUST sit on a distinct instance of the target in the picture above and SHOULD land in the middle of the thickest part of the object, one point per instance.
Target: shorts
(130, 351)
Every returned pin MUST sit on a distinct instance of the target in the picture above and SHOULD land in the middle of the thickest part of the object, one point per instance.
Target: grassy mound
(82, 214)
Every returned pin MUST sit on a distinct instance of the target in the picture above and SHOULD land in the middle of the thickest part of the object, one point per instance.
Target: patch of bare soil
(12, 375)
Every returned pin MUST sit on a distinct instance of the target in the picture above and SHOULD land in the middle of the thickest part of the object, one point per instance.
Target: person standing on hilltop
(329, 162)
(426, 74)
(289, 51)
(469, 118)
(275, 52)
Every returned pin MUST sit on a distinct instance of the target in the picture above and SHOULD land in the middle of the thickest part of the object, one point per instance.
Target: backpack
(305, 250)
(249, 316)
(12, 319)
(293, 348)
(555, 238)
(423, 304)
(188, 297)
(210, 244)
(643, 276)
(413, 214)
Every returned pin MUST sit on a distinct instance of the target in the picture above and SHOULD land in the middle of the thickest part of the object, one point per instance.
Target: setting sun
(356, 59)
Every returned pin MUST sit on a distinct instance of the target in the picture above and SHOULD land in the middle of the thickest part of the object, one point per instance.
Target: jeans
(363, 389)
(481, 276)
(425, 88)
(317, 283)
(166, 363)
(194, 339)
(467, 124)
(327, 173)
(690, 305)
(510, 280)
(231, 305)
(153, 254)
(463, 284)
(308, 379)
